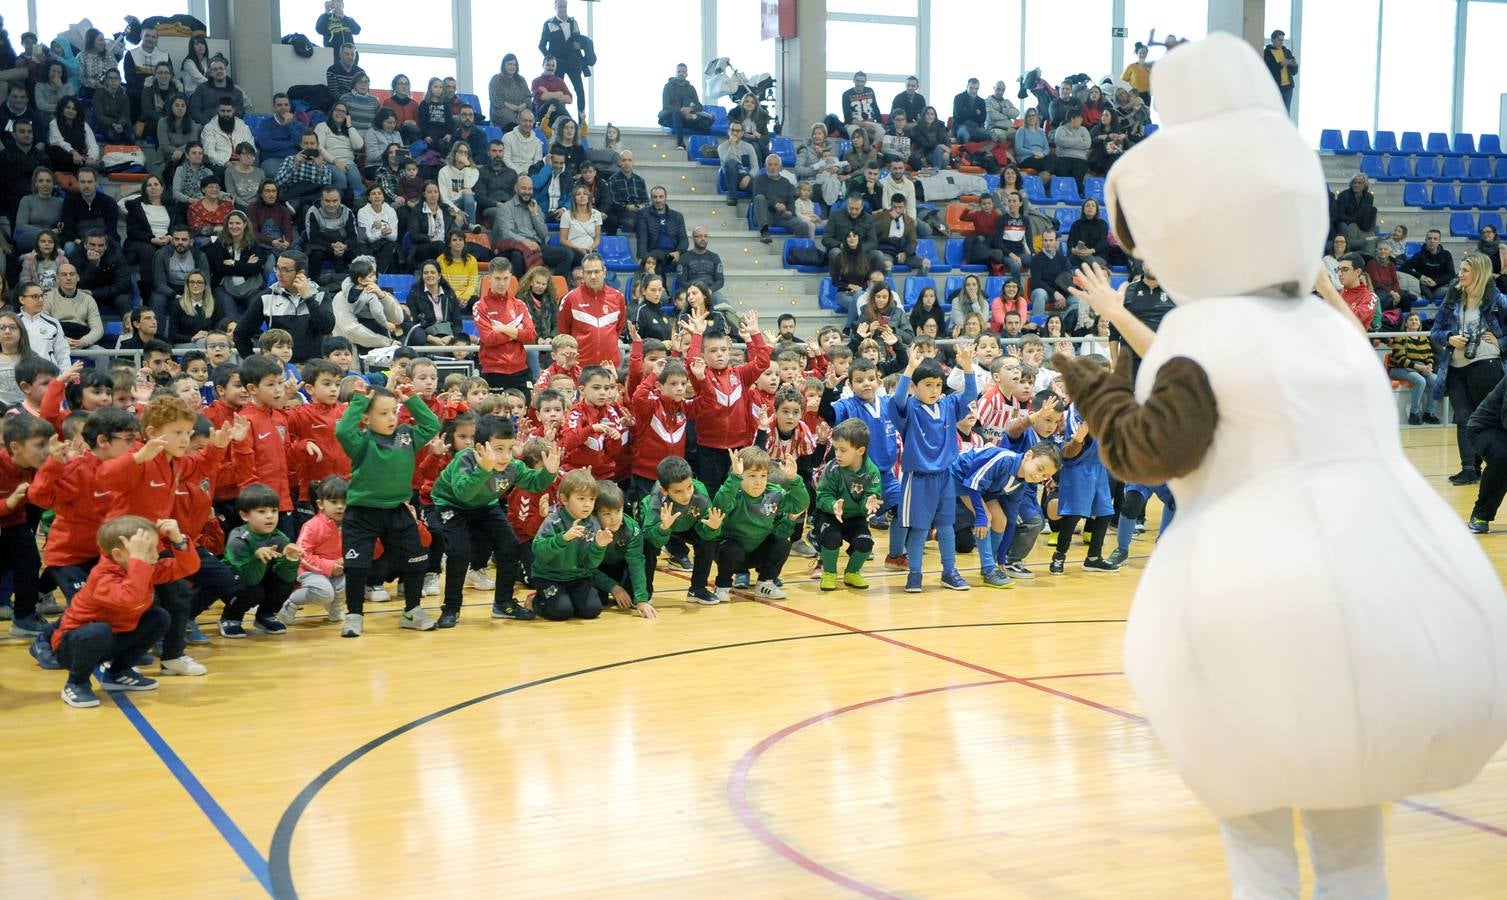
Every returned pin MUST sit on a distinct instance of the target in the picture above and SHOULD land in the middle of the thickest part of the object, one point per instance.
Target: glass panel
(102, 14)
(876, 7)
(397, 25)
(1063, 44)
(419, 69)
(951, 69)
(738, 39)
(631, 68)
(871, 47)
(1417, 66)
(1337, 78)
(883, 92)
(488, 20)
(1184, 18)
(1483, 67)
(13, 13)
(1279, 15)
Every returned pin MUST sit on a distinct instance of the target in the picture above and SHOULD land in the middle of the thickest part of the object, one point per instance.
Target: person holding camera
(1467, 338)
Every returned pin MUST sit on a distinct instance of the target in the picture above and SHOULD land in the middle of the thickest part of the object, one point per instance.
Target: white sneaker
(183, 665)
(724, 595)
(416, 619)
(432, 585)
(288, 613)
(475, 578)
(352, 626)
(334, 608)
(768, 590)
(377, 594)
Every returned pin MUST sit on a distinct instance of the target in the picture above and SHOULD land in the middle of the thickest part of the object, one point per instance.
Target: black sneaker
(129, 680)
(681, 562)
(1058, 565)
(268, 626)
(506, 611)
(1018, 570)
(448, 619)
(230, 628)
(1415, 419)
(1430, 419)
(79, 696)
(1477, 526)
(1100, 564)
(764, 235)
(27, 626)
(731, 200)
(701, 596)
(1462, 477)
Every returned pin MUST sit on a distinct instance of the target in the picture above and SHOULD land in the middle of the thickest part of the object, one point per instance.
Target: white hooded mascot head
(1226, 159)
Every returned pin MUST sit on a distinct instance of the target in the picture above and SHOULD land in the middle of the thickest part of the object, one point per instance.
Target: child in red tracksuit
(590, 437)
(425, 377)
(620, 453)
(193, 510)
(27, 439)
(311, 428)
(659, 410)
(231, 397)
(504, 328)
(527, 510)
(565, 356)
(263, 379)
(112, 621)
(721, 407)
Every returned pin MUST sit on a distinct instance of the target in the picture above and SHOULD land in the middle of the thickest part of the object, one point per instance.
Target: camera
(1472, 344)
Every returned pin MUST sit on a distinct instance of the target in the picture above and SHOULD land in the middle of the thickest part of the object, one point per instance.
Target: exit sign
(1119, 32)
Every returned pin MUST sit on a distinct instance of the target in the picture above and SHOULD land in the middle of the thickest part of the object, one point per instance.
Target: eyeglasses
(217, 346)
(10, 328)
(1346, 269)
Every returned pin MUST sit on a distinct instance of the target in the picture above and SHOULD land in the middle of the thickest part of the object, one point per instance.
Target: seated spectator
(74, 308)
(150, 217)
(457, 181)
(188, 178)
(19, 159)
(191, 316)
(521, 150)
(468, 132)
(1382, 272)
(437, 313)
(138, 329)
(661, 231)
(852, 217)
(343, 72)
(928, 309)
(1016, 238)
(207, 214)
(1109, 142)
(969, 114)
(580, 226)
(880, 316)
(329, 234)
(378, 139)
(700, 265)
(1000, 114)
(88, 207)
(806, 209)
(243, 177)
(1093, 106)
(968, 300)
(861, 150)
(1339, 245)
(339, 141)
(112, 111)
(568, 143)
(204, 102)
(930, 143)
(44, 332)
(680, 107)
(304, 177)
(237, 264)
(816, 162)
(1433, 266)
(859, 109)
(1088, 239)
(1011, 301)
(100, 55)
(194, 70)
(1073, 143)
(278, 136)
(1356, 293)
(1488, 245)
(459, 268)
(436, 122)
(850, 267)
(141, 65)
(510, 95)
(51, 91)
(755, 121)
(1355, 214)
(377, 230)
(774, 203)
(175, 131)
(627, 194)
(366, 314)
(295, 304)
(866, 184)
(103, 272)
(552, 184)
(1413, 361)
(361, 103)
(984, 246)
(896, 233)
(40, 265)
(170, 268)
(404, 107)
(494, 184)
(911, 100)
(552, 98)
(271, 220)
(70, 140)
(39, 211)
(1033, 153)
(1051, 273)
(739, 160)
(1010, 180)
(431, 221)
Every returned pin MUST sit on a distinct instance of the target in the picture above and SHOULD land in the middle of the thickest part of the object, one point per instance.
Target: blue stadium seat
(791, 244)
(1066, 216)
(992, 181)
(1093, 186)
(475, 103)
(914, 285)
(468, 325)
(1489, 145)
(722, 188)
(493, 133)
(953, 284)
(617, 254)
(1415, 195)
(1479, 169)
(773, 229)
(255, 119)
(693, 146)
(1330, 140)
(1496, 195)
(1412, 142)
(397, 285)
(1462, 224)
(994, 285)
(1372, 167)
(112, 328)
(1065, 190)
(719, 119)
(1493, 218)
(784, 148)
(1399, 168)
(1033, 187)
(1426, 169)
(1151, 129)
(1438, 142)
(955, 259)
(1453, 169)
(1472, 196)
(1386, 142)
(1464, 144)
(1411, 248)
(1442, 197)
(926, 248)
(826, 296)
(1358, 142)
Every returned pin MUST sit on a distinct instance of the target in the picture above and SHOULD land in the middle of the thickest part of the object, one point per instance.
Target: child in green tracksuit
(474, 524)
(265, 562)
(378, 508)
(848, 491)
(622, 571)
(568, 550)
(676, 506)
(759, 518)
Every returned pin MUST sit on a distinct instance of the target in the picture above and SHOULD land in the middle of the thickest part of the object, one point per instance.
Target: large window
(637, 49)
(1485, 23)
(1184, 18)
(871, 47)
(875, 7)
(488, 22)
(1065, 39)
(1337, 81)
(53, 18)
(740, 39)
(13, 12)
(952, 23)
(392, 26)
(1417, 65)
(1278, 18)
(382, 67)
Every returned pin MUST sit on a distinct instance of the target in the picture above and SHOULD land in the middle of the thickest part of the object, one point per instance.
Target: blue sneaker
(230, 628)
(996, 578)
(41, 651)
(954, 581)
(268, 626)
(193, 635)
(740, 580)
(27, 626)
(129, 680)
(913, 583)
(79, 696)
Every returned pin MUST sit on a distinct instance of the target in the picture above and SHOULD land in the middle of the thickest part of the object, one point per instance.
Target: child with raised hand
(867, 404)
(927, 424)
(721, 407)
(621, 574)
(321, 564)
(568, 550)
(1082, 492)
(265, 383)
(848, 491)
(382, 462)
(193, 510)
(265, 561)
(994, 484)
(456, 435)
(311, 429)
(759, 517)
(474, 524)
(674, 507)
(26, 450)
(590, 436)
(111, 621)
(659, 408)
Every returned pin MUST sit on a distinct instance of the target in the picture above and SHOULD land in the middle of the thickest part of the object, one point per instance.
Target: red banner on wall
(777, 18)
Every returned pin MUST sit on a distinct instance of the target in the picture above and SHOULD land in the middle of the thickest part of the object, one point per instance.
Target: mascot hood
(1226, 158)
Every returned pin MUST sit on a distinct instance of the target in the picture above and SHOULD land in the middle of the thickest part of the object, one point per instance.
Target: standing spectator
(103, 272)
(340, 142)
(170, 268)
(1073, 143)
(142, 63)
(329, 233)
(774, 202)
(627, 196)
(204, 102)
(175, 131)
(75, 309)
(739, 160)
(70, 140)
(551, 97)
(112, 112)
(1138, 74)
(859, 108)
(236, 266)
(1281, 63)
(1433, 266)
(521, 150)
(700, 265)
(573, 54)
(305, 175)
(337, 28)
(1000, 114)
(661, 231)
(39, 211)
(341, 75)
(969, 114)
(150, 217)
(100, 55)
(593, 315)
(88, 208)
(510, 95)
(361, 103)
(1467, 336)
(680, 108)
(755, 121)
(910, 100)
(521, 227)
(401, 102)
(194, 70)
(222, 134)
(377, 230)
(1355, 214)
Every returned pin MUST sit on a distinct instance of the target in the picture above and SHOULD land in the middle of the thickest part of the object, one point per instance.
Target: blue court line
(207, 804)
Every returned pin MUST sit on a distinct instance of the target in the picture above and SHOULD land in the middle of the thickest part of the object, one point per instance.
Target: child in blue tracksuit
(927, 424)
(993, 483)
(1082, 492)
(867, 405)
(1132, 505)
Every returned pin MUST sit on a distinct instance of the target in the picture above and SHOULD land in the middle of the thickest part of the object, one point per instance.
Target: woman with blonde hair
(1467, 336)
(193, 316)
(236, 266)
(580, 225)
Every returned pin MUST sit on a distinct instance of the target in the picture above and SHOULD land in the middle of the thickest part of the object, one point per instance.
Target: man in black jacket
(911, 101)
(852, 217)
(573, 53)
(293, 304)
(21, 156)
(680, 108)
(1355, 214)
(627, 196)
(329, 233)
(661, 230)
(969, 115)
(1433, 266)
(495, 185)
(1487, 430)
(103, 272)
(1048, 265)
(1282, 64)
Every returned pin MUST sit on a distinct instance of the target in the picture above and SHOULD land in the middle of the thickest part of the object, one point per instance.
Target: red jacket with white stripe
(500, 354)
(119, 596)
(581, 445)
(721, 407)
(148, 489)
(71, 492)
(660, 427)
(594, 320)
(319, 539)
(193, 499)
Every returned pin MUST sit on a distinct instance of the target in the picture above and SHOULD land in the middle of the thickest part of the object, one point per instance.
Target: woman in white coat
(1280, 668)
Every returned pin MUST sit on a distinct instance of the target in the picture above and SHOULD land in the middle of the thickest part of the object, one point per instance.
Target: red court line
(1453, 817)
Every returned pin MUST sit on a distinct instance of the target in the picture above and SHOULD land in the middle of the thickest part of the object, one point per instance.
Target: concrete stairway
(1390, 210)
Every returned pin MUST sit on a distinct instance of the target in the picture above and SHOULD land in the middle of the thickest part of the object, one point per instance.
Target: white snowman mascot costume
(1277, 656)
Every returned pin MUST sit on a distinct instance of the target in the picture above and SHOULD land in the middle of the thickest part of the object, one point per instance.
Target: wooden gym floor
(931, 745)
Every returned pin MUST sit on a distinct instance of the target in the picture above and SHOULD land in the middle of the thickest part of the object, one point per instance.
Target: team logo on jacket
(404, 439)
(204, 485)
(282, 432)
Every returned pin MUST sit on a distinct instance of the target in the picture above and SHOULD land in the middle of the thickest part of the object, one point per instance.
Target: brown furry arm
(1165, 438)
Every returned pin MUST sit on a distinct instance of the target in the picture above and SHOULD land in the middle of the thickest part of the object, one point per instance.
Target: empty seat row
(1430, 168)
(1447, 196)
(1437, 143)
(1469, 225)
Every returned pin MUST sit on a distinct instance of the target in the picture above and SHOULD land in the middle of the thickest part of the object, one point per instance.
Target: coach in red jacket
(504, 328)
(593, 315)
